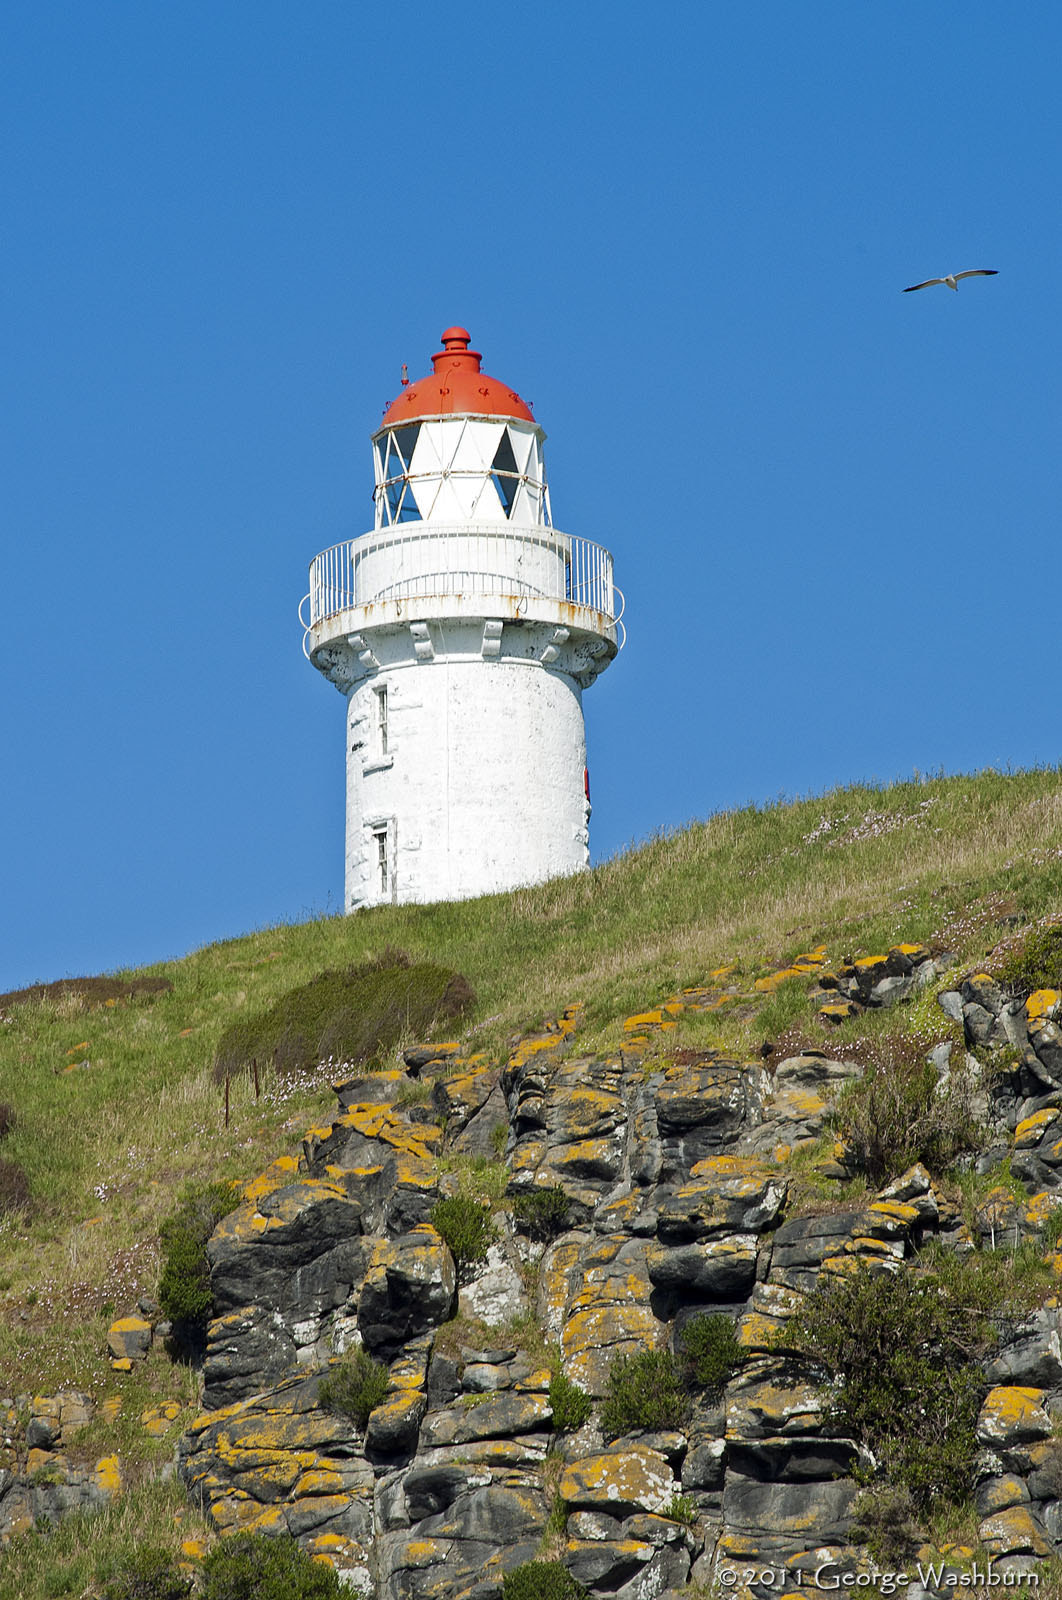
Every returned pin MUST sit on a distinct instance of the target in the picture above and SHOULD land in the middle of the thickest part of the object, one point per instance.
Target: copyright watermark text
(831, 1578)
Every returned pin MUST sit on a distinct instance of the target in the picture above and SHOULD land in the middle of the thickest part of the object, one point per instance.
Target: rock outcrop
(39, 1482)
(677, 1179)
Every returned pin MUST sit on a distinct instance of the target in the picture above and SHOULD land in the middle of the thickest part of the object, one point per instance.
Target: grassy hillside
(116, 1105)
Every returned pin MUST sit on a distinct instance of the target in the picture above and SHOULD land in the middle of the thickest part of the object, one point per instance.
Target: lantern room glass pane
(408, 510)
(504, 463)
(393, 494)
(406, 441)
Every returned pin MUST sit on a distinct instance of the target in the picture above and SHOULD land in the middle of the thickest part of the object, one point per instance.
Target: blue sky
(681, 232)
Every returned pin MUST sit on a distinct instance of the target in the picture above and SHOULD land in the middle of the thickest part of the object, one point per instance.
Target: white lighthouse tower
(462, 631)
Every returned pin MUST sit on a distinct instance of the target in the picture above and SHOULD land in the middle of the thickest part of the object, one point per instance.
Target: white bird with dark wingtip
(952, 279)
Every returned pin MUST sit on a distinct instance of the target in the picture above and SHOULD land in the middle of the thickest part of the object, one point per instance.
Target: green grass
(107, 1147)
(61, 1561)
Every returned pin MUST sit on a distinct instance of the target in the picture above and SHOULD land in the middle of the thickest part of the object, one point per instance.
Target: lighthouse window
(504, 473)
(382, 865)
(381, 718)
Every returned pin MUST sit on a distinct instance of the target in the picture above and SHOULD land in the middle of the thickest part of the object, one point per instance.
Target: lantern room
(460, 447)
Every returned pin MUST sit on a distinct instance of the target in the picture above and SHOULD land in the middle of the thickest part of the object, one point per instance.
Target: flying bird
(952, 279)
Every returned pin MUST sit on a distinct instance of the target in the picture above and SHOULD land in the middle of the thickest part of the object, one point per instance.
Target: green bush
(1037, 964)
(1052, 1230)
(884, 1518)
(256, 1567)
(466, 1225)
(571, 1405)
(543, 1213)
(643, 1392)
(90, 992)
(904, 1357)
(542, 1580)
(709, 1352)
(354, 1387)
(681, 1508)
(897, 1115)
(347, 1017)
(184, 1284)
(148, 1574)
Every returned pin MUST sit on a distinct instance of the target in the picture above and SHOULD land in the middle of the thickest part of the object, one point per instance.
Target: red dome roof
(456, 386)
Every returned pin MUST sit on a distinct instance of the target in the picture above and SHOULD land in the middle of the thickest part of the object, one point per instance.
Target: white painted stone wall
(481, 785)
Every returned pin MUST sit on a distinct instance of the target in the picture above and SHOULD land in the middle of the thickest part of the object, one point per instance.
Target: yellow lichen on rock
(774, 980)
(279, 1173)
(271, 1520)
(555, 1035)
(590, 1338)
(839, 1010)
(730, 1167)
(897, 1211)
(157, 1419)
(643, 1019)
(800, 967)
(1031, 1130)
(319, 1480)
(757, 1331)
(633, 1478)
(128, 1339)
(1013, 1532)
(416, 1553)
(1042, 1003)
(108, 1475)
(1040, 1208)
(390, 1127)
(1013, 1414)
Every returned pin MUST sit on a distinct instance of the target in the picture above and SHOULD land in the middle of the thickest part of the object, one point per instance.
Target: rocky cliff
(679, 1171)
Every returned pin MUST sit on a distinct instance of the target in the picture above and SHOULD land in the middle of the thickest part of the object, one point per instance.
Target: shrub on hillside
(898, 1113)
(542, 1213)
(89, 991)
(885, 1519)
(184, 1283)
(709, 1352)
(465, 1224)
(260, 1567)
(354, 1387)
(347, 1017)
(643, 1392)
(147, 1574)
(904, 1357)
(571, 1406)
(542, 1580)
(14, 1187)
(1036, 964)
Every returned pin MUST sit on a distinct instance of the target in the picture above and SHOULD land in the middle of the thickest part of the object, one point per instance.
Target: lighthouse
(461, 630)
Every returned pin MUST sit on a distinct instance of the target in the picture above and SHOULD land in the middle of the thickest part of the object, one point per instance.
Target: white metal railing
(416, 561)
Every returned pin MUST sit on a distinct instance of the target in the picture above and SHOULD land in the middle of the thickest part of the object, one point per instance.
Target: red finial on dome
(456, 386)
(455, 353)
